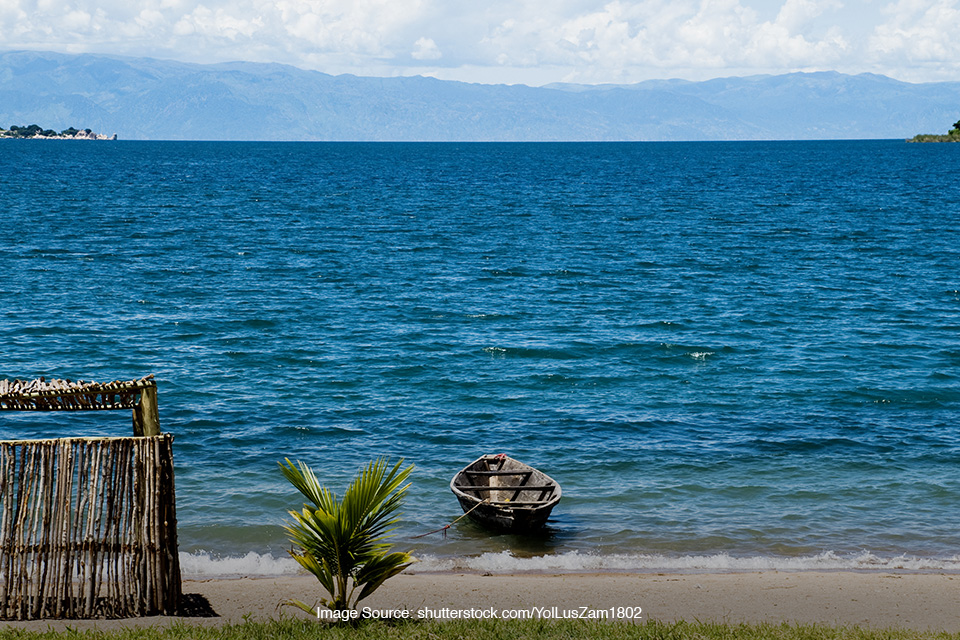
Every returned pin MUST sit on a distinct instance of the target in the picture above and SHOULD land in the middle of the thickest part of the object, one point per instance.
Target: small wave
(688, 349)
(543, 353)
(576, 562)
(204, 565)
(662, 324)
(515, 272)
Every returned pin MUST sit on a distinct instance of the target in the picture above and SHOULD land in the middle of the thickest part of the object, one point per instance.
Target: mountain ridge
(145, 98)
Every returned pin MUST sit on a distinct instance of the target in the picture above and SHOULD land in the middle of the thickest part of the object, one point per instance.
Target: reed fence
(88, 526)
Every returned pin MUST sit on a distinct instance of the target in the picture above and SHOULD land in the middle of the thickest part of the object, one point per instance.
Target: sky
(532, 42)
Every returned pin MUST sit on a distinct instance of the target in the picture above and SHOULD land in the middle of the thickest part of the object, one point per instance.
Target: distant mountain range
(142, 98)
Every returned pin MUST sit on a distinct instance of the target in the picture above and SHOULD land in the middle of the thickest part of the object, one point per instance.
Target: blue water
(731, 355)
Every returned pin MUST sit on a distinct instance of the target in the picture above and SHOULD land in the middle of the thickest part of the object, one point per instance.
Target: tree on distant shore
(30, 131)
(25, 132)
(951, 136)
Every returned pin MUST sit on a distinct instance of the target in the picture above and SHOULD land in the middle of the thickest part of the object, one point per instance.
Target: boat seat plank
(498, 473)
(526, 487)
(518, 503)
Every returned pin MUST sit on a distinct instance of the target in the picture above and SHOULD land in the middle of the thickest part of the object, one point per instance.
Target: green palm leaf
(377, 571)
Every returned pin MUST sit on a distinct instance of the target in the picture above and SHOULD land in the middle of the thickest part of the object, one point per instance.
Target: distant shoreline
(35, 132)
(933, 137)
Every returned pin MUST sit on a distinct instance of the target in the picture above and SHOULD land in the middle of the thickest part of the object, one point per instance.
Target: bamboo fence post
(6, 483)
(146, 416)
(168, 514)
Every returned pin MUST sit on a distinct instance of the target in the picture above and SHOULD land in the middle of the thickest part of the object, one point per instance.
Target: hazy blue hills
(140, 98)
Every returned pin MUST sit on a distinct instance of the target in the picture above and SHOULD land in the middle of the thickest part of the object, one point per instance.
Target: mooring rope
(444, 529)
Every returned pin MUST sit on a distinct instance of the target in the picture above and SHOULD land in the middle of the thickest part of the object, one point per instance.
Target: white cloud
(796, 14)
(426, 49)
(519, 40)
(919, 30)
(285, 28)
(917, 35)
(219, 23)
(621, 38)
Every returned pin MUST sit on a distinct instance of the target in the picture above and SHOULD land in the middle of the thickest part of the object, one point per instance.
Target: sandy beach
(910, 601)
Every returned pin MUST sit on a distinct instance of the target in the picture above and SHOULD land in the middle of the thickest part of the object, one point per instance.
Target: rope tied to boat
(444, 528)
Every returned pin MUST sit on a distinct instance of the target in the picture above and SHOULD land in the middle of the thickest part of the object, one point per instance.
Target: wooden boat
(502, 493)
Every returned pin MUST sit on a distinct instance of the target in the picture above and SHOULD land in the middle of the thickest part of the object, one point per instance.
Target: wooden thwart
(506, 487)
(499, 473)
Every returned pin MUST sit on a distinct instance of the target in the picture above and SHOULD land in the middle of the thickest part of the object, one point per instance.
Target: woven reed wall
(88, 528)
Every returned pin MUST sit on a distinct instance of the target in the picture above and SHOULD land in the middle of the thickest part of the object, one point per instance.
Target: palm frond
(303, 480)
(377, 571)
(300, 605)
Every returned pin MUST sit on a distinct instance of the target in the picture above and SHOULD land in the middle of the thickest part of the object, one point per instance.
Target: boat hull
(505, 519)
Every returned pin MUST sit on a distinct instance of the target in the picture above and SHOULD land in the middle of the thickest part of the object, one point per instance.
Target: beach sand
(910, 601)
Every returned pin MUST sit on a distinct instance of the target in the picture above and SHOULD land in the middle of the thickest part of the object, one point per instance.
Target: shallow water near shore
(731, 355)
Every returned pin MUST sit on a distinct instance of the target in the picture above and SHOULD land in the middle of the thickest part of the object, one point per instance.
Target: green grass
(296, 629)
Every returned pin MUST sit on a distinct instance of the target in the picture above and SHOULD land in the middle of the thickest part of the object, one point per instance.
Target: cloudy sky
(517, 41)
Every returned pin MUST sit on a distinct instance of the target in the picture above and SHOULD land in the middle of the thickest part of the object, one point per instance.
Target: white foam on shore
(573, 561)
(204, 565)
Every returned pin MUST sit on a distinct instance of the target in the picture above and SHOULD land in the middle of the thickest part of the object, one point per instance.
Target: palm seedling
(341, 542)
